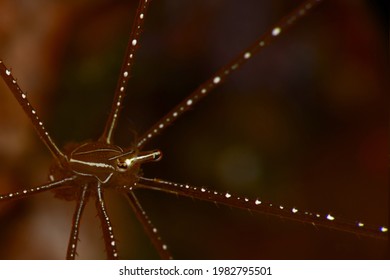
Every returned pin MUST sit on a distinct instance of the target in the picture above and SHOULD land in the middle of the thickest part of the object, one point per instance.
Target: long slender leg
(150, 230)
(257, 205)
(108, 234)
(220, 76)
(42, 188)
(74, 234)
(31, 113)
(125, 72)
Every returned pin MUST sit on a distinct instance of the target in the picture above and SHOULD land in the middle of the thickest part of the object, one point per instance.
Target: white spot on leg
(8, 72)
(257, 202)
(294, 210)
(276, 31)
(330, 217)
(383, 229)
(134, 42)
(228, 195)
(189, 102)
(216, 80)
(125, 74)
(247, 55)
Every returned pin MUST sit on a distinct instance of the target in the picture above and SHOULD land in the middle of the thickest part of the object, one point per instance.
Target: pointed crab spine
(125, 72)
(292, 213)
(223, 73)
(31, 113)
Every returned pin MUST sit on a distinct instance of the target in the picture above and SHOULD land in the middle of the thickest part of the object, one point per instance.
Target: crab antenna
(220, 76)
(125, 72)
(31, 113)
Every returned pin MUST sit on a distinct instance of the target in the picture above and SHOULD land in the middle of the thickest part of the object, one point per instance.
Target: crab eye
(156, 156)
(122, 166)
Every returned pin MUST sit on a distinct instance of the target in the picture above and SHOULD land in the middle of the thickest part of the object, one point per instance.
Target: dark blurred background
(303, 124)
